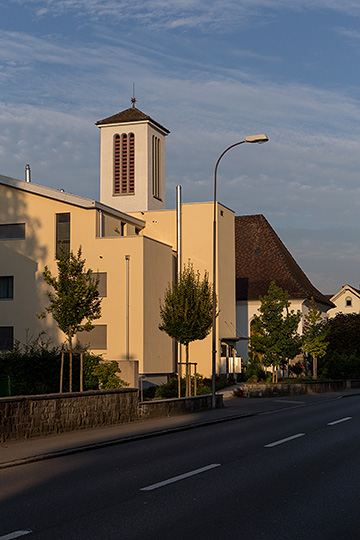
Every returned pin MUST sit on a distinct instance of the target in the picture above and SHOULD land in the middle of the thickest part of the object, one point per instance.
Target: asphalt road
(286, 475)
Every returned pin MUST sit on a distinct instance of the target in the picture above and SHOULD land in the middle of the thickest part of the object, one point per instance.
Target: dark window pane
(6, 338)
(6, 287)
(63, 232)
(12, 231)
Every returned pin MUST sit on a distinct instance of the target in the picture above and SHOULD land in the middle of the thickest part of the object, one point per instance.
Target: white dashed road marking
(281, 441)
(339, 421)
(180, 477)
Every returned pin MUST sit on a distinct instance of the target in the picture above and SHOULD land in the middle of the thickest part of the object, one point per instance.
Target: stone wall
(291, 389)
(172, 407)
(32, 416)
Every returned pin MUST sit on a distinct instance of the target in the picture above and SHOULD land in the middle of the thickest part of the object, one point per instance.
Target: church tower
(132, 161)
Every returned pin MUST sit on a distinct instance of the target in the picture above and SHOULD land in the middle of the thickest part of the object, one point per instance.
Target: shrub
(34, 368)
(336, 365)
(255, 371)
(203, 386)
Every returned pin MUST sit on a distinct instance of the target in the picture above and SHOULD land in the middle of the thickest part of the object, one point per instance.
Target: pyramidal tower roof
(261, 257)
(131, 115)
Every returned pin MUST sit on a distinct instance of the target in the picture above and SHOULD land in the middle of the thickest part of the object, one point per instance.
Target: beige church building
(130, 240)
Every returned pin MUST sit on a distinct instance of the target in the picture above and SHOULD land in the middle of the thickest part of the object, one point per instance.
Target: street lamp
(251, 139)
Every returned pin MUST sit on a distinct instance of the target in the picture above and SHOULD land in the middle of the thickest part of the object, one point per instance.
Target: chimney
(27, 173)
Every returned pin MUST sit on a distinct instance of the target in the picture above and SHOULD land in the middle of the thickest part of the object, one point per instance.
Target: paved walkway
(14, 453)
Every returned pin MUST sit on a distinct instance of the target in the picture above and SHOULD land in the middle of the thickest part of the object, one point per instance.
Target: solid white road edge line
(281, 441)
(180, 477)
(339, 421)
(15, 534)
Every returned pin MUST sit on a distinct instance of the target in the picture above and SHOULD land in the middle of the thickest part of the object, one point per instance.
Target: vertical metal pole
(179, 268)
(127, 258)
(214, 339)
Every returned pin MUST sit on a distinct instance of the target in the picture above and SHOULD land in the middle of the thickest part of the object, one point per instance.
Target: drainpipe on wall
(127, 258)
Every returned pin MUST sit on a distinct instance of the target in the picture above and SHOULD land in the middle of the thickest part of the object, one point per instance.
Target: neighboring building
(128, 239)
(347, 300)
(261, 257)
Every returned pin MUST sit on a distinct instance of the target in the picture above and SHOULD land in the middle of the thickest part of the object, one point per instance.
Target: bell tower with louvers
(132, 161)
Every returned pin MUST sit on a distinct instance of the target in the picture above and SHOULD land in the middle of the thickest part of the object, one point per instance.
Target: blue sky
(212, 72)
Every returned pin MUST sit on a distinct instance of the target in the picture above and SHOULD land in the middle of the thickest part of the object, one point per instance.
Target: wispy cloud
(182, 14)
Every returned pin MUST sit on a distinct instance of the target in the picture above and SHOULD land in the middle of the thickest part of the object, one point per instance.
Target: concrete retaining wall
(292, 389)
(172, 407)
(31, 416)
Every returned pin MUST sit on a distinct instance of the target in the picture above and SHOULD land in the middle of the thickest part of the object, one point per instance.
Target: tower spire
(133, 99)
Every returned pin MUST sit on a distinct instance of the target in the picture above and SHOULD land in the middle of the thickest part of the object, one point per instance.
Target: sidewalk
(13, 453)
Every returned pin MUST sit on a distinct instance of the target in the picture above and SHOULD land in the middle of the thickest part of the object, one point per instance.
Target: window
(12, 231)
(348, 302)
(6, 287)
(63, 233)
(102, 285)
(124, 164)
(6, 338)
(96, 338)
(156, 166)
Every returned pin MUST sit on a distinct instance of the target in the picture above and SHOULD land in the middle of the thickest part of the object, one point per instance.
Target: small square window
(6, 287)
(95, 339)
(348, 301)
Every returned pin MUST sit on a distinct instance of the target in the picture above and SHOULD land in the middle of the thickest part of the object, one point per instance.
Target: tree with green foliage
(186, 313)
(344, 333)
(75, 302)
(314, 336)
(274, 333)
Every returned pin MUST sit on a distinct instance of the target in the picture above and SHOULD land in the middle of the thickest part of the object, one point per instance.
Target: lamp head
(257, 139)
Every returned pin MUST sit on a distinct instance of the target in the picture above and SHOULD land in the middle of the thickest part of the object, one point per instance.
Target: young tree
(274, 332)
(75, 302)
(314, 338)
(186, 313)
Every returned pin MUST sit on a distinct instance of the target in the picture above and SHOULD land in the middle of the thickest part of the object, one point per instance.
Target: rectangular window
(102, 286)
(6, 287)
(95, 339)
(12, 231)
(63, 233)
(156, 166)
(6, 338)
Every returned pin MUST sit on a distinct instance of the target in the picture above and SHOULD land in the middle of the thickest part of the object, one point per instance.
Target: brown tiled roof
(261, 257)
(130, 115)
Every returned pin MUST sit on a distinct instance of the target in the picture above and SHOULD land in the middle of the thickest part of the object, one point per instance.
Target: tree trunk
(187, 374)
(81, 372)
(70, 364)
(62, 371)
(314, 367)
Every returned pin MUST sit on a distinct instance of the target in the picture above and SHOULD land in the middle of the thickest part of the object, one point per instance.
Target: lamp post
(251, 139)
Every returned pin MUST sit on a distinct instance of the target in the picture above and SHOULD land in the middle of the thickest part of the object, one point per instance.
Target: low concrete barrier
(172, 407)
(297, 388)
